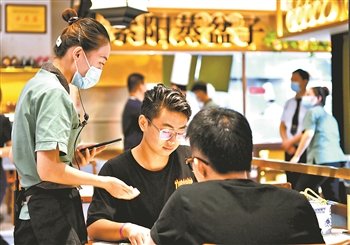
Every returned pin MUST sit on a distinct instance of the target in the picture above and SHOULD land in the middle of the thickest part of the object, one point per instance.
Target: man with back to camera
(156, 166)
(292, 121)
(131, 129)
(226, 207)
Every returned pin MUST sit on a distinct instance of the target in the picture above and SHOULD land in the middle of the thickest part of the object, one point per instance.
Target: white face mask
(295, 86)
(91, 78)
(307, 101)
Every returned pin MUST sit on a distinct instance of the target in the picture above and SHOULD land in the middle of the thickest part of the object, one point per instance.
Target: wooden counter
(342, 173)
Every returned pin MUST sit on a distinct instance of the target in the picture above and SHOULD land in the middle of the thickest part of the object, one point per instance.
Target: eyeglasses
(167, 134)
(190, 161)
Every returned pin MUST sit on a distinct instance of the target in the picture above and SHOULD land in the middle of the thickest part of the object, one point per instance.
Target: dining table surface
(338, 236)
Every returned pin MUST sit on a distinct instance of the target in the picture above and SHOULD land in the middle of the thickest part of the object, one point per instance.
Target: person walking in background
(156, 167)
(321, 139)
(226, 207)
(201, 89)
(130, 119)
(5, 147)
(45, 135)
(291, 121)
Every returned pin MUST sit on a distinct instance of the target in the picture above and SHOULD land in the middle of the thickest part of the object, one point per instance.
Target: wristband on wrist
(121, 230)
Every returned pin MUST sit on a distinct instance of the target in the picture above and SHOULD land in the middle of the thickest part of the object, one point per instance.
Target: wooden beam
(339, 209)
(279, 19)
(341, 173)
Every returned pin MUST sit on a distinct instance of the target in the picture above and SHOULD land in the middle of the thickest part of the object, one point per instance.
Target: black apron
(56, 217)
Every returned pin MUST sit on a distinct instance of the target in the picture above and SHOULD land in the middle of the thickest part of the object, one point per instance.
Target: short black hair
(134, 80)
(160, 97)
(224, 136)
(200, 86)
(304, 74)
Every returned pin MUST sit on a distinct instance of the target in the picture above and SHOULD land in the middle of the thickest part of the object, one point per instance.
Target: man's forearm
(105, 230)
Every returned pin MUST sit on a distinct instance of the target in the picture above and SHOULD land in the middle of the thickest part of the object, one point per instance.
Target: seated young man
(156, 167)
(226, 207)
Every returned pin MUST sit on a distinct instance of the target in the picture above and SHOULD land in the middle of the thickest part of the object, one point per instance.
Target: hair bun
(70, 15)
(325, 91)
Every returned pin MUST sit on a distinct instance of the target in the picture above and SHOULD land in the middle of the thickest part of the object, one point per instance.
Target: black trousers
(293, 177)
(56, 218)
(330, 186)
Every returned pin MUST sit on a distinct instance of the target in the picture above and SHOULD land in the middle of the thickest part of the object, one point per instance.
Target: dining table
(338, 236)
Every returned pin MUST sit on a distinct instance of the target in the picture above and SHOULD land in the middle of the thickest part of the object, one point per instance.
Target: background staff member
(201, 89)
(292, 119)
(322, 141)
(132, 133)
(5, 147)
(45, 132)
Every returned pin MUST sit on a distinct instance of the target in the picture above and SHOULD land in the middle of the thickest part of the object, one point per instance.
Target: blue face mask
(306, 101)
(295, 86)
(91, 78)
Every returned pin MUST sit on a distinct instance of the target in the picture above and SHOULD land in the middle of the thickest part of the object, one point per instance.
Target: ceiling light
(119, 13)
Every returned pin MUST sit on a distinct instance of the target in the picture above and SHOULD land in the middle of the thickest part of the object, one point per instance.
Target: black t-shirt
(236, 212)
(155, 188)
(5, 131)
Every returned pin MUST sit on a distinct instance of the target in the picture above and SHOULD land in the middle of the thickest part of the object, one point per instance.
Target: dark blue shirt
(130, 123)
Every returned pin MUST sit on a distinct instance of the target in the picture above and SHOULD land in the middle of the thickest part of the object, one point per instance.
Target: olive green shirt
(210, 103)
(45, 118)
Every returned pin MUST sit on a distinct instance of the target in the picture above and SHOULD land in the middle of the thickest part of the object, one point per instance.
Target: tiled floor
(6, 227)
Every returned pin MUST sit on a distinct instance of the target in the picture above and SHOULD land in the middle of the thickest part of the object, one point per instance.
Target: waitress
(321, 139)
(45, 132)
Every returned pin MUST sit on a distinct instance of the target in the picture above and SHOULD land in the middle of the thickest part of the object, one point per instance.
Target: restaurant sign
(307, 14)
(187, 29)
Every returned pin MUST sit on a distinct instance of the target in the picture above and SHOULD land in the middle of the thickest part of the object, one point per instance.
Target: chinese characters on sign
(186, 29)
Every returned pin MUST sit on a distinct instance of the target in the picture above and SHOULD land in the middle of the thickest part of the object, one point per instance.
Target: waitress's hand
(84, 158)
(294, 159)
(119, 189)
